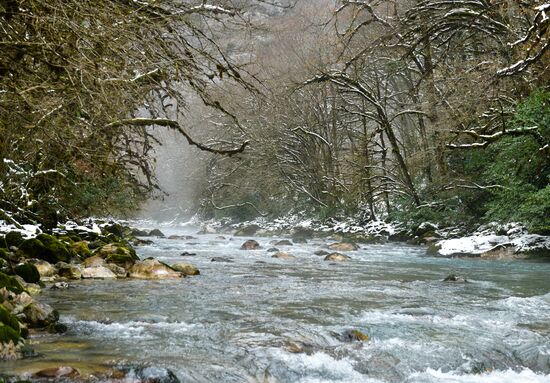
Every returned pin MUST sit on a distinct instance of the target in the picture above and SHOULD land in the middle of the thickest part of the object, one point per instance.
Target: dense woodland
(408, 110)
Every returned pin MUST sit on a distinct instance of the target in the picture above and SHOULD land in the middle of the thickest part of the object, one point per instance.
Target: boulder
(11, 321)
(121, 254)
(13, 238)
(500, 252)
(139, 233)
(283, 255)
(11, 284)
(186, 268)
(119, 271)
(284, 242)
(247, 231)
(98, 272)
(39, 315)
(28, 272)
(68, 271)
(94, 261)
(152, 269)
(220, 238)
(272, 250)
(343, 246)
(81, 248)
(123, 260)
(337, 257)
(45, 268)
(321, 253)
(250, 245)
(47, 248)
(116, 229)
(156, 233)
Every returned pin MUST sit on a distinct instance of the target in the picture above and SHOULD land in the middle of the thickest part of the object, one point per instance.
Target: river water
(235, 322)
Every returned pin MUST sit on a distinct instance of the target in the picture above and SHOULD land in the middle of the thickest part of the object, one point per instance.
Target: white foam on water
(535, 306)
(129, 330)
(320, 368)
(508, 376)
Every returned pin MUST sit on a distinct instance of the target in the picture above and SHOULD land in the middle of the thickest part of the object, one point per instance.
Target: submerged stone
(283, 255)
(63, 372)
(455, 278)
(343, 246)
(284, 242)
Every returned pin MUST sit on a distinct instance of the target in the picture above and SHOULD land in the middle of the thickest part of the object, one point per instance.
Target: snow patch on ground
(491, 236)
(475, 244)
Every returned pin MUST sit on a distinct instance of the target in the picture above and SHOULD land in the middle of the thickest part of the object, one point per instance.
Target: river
(239, 321)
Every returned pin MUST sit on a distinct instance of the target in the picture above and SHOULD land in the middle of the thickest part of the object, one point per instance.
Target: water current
(244, 320)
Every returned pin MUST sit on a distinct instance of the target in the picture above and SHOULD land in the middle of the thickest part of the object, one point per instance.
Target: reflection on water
(233, 323)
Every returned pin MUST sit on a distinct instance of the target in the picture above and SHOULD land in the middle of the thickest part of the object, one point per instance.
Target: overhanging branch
(140, 121)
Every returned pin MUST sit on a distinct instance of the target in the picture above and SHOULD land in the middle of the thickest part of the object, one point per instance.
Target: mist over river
(254, 318)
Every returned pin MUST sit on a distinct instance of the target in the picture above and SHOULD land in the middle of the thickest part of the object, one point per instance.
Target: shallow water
(233, 323)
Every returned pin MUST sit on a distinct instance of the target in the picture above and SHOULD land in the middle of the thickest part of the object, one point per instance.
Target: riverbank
(496, 241)
(32, 261)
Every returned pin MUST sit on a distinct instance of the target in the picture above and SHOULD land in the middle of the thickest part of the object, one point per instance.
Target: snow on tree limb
(140, 121)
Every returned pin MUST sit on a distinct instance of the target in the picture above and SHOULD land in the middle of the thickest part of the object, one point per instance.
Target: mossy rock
(156, 233)
(7, 319)
(47, 248)
(116, 248)
(11, 284)
(28, 272)
(65, 238)
(14, 238)
(4, 254)
(123, 260)
(139, 233)
(81, 248)
(96, 244)
(116, 229)
(8, 334)
(3, 243)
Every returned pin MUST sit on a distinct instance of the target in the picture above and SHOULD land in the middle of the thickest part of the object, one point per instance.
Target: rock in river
(186, 268)
(455, 278)
(337, 257)
(98, 272)
(153, 269)
(250, 245)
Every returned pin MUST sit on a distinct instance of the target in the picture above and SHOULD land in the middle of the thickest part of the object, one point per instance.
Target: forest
(412, 110)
